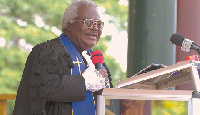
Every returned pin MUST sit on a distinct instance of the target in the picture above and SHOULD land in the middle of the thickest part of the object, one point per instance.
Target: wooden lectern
(151, 85)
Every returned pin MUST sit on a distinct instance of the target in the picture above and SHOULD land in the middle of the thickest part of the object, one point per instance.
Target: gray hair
(71, 12)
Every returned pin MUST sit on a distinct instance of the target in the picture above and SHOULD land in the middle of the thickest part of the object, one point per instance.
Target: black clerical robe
(47, 86)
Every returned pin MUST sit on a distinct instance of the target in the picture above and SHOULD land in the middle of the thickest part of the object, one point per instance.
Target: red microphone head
(97, 57)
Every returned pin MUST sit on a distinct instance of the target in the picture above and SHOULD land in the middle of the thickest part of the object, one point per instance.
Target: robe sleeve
(67, 88)
(53, 75)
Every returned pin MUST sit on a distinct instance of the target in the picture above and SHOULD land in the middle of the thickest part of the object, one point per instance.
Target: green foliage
(116, 11)
(17, 20)
(11, 67)
(169, 108)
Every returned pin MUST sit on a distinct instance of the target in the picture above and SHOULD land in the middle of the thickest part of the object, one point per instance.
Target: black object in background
(153, 66)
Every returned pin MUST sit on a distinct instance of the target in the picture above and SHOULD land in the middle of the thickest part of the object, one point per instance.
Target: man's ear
(68, 25)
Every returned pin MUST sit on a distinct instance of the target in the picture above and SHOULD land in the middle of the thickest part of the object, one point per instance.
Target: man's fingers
(103, 72)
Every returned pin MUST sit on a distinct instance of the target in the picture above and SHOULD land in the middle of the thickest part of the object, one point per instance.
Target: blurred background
(136, 34)
(25, 23)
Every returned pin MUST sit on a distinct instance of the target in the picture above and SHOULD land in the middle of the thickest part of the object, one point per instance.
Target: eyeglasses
(88, 23)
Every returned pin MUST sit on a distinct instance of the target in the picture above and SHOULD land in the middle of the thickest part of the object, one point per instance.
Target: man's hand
(104, 74)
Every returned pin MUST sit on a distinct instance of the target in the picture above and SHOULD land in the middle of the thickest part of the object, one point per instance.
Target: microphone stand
(195, 47)
(195, 94)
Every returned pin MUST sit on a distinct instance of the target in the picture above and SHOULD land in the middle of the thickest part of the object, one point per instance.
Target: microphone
(97, 59)
(186, 44)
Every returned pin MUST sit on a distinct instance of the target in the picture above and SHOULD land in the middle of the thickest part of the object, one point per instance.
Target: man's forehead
(88, 12)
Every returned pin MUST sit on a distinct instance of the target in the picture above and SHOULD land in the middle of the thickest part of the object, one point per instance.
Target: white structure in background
(2, 42)
(21, 23)
(38, 21)
(118, 44)
(56, 30)
(123, 2)
(24, 45)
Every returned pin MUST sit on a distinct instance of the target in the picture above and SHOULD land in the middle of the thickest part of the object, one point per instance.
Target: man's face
(85, 38)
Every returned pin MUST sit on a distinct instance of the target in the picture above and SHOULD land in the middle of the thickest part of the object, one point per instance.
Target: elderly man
(59, 77)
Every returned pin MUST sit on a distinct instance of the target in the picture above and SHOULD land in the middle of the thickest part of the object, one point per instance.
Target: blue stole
(85, 107)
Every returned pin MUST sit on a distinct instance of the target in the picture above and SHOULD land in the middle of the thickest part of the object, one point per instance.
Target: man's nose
(94, 27)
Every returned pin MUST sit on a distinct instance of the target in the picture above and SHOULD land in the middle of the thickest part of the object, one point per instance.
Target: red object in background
(193, 57)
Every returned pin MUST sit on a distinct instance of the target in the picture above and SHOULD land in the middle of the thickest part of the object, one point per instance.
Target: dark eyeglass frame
(93, 22)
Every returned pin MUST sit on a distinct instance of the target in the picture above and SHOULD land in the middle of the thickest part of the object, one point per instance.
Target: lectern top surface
(161, 78)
